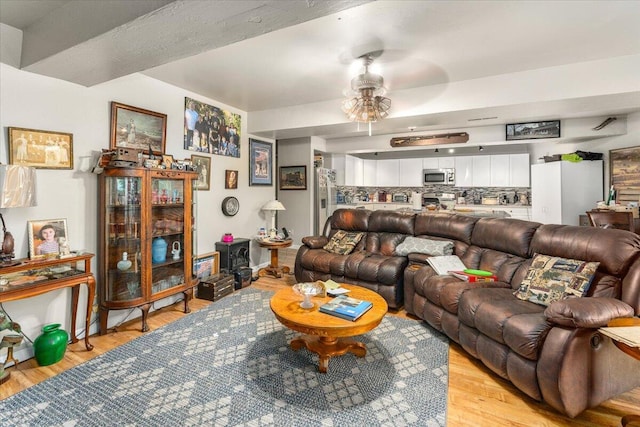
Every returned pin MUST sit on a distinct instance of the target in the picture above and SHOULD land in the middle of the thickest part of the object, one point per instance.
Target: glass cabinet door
(123, 231)
(167, 235)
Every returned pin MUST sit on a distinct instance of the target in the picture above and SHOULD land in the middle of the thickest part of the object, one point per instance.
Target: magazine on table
(346, 307)
(446, 263)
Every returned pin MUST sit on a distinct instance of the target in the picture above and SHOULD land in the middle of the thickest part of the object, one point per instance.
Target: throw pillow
(343, 242)
(424, 246)
(552, 279)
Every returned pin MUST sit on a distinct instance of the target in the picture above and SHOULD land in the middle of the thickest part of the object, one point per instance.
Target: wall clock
(230, 206)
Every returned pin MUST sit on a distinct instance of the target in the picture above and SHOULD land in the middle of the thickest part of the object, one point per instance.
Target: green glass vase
(50, 346)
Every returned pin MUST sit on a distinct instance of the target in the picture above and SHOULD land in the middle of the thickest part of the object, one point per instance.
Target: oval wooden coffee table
(327, 335)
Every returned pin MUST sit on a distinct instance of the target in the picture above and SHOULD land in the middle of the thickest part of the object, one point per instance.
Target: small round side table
(631, 351)
(273, 268)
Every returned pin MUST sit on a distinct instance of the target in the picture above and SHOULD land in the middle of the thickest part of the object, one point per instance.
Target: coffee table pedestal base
(328, 347)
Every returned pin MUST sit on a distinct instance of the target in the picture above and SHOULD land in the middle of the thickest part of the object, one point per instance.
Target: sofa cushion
(424, 246)
(343, 242)
(552, 279)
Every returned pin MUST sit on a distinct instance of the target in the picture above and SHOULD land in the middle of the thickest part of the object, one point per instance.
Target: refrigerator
(325, 197)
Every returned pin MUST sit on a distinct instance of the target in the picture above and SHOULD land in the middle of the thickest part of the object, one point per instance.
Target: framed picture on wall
(46, 236)
(533, 130)
(293, 178)
(41, 149)
(260, 162)
(203, 166)
(210, 129)
(624, 172)
(133, 127)
(230, 179)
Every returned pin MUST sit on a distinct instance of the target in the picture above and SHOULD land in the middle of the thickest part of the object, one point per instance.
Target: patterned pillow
(343, 242)
(425, 246)
(552, 279)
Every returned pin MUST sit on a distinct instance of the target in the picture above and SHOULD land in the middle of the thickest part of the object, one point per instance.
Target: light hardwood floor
(476, 396)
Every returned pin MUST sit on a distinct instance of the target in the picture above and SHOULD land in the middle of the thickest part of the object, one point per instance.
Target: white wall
(597, 145)
(36, 102)
(299, 203)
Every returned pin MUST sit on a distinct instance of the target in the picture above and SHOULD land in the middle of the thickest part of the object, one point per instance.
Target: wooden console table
(29, 278)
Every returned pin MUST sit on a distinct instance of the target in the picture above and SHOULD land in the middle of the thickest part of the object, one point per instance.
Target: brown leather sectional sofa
(553, 354)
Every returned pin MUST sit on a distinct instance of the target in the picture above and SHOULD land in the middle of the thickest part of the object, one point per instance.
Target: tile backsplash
(521, 195)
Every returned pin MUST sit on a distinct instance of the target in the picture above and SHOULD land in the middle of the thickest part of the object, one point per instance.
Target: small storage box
(243, 277)
(215, 287)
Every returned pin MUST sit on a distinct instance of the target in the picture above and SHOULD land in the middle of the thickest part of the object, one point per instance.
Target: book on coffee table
(346, 307)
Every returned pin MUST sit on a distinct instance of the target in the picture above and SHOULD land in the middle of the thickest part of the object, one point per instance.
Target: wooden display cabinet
(146, 238)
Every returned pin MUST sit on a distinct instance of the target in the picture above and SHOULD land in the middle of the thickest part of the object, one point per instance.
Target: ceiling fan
(366, 102)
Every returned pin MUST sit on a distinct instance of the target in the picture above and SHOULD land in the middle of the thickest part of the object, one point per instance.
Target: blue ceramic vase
(159, 250)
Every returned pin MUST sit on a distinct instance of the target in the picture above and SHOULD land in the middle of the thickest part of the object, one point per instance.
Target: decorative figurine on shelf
(175, 250)
(164, 197)
(9, 341)
(124, 264)
(64, 249)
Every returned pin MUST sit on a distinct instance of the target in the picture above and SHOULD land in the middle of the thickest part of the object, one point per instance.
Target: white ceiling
(273, 54)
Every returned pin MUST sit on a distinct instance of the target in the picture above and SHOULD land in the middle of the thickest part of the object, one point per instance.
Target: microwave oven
(438, 176)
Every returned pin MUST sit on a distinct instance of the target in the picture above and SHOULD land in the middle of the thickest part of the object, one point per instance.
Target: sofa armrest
(315, 242)
(587, 312)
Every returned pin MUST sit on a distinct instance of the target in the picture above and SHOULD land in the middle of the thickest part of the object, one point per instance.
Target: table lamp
(273, 206)
(17, 190)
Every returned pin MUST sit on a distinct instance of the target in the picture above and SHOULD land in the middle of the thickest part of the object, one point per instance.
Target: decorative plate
(230, 206)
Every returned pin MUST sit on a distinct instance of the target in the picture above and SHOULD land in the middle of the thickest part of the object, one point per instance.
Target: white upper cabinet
(481, 171)
(387, 173)
(353, 170)
(519, 170)
(410, 171)
(438, 162)
(464, 171)
(430, 163)
(337, 163)
(446, 162)
(369, 171)
(500, 170)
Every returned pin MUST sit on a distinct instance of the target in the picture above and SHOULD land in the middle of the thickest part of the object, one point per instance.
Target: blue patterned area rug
(230, 365)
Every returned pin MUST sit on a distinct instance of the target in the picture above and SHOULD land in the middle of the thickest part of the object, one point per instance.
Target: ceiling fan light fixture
(368, 105)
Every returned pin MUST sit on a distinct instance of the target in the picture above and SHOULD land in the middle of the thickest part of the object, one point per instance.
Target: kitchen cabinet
(464, 171)
(387, 173)
(561, 191)
(499, 170)
(410, 173)
(338, 164)
(145, 234)
(446, 162)
(438, 162)
(519, 168)
(369, 172)
(353, 171)
(481, 171)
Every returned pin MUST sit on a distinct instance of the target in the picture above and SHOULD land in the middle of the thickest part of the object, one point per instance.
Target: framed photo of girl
(133, 127)
(46, 236)
(230, 179)
(41, 149)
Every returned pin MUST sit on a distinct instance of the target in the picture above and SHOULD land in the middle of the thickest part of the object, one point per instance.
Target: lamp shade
(17, 186)
(273, 205)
